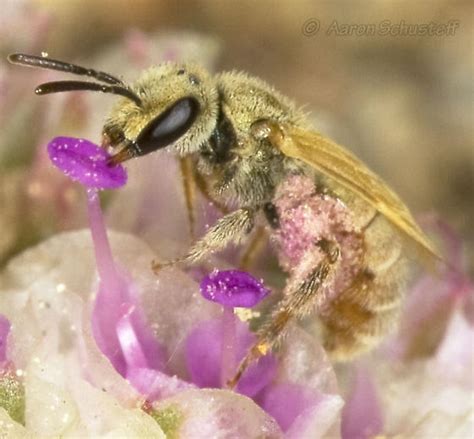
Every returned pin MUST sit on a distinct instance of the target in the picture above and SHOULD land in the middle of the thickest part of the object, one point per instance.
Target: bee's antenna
(53, 64)
(60, 86)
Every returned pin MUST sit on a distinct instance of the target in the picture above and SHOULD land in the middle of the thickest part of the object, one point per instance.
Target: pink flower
(106, 348)
(85, 162)
(419, 383)
(4, 331)
(212, 347)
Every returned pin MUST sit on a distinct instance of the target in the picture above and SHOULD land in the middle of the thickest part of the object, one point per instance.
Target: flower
(215, 348)
(117, 324)
(233, 288)
(100, 348)
(36, 201)
(12, 394)
(151, 356)
(4, 331)
(86, 163)
(419, 382)
(54, 344)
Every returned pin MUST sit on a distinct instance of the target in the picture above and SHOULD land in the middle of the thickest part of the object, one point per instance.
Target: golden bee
(340, 232)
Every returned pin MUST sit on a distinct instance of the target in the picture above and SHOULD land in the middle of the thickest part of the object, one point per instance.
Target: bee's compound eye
(169, 126)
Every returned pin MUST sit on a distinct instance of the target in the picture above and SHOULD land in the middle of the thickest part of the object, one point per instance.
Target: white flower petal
(321, 421)
(9, 429)
(454, 359)
(219, 414)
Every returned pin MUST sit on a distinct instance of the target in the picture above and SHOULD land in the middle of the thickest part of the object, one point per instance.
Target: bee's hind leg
(297, 303)
(231, 228)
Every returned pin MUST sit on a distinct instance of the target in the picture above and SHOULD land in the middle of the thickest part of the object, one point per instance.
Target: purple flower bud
(233, 288)
(85, 162)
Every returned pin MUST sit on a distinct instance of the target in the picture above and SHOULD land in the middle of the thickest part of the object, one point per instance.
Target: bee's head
(179, 105)
(169, 104)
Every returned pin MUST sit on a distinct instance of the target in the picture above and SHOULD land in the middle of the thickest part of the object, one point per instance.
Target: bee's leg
(255, 246)
(112, 136)
(204, 189)
(192, 180)
(260, 238)
(231, 228)
(296, 304)
(189, 189)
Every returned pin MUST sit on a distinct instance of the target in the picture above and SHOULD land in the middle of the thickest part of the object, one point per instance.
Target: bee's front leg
(231, 228)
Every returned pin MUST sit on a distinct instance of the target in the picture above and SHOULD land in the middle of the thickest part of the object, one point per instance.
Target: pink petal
(203, 355)
(362, 415)
(433, 298)
(121, 330)
(130, 344)
(258, 376)
(154, 384)
(319, 420)
(105, 316)
(455, 356)
(4, 331)
(287, 401)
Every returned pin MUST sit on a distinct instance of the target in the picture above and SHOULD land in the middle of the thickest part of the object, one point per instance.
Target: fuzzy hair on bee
(241, 173)
(343, 237)
(127, 120)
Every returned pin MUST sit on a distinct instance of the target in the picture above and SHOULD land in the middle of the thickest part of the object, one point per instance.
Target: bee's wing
(338, 164)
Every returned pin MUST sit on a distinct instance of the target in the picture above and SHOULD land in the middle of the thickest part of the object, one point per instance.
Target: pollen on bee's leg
(263, 348)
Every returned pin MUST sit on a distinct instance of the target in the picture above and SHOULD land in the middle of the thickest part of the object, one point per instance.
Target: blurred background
(403, 103)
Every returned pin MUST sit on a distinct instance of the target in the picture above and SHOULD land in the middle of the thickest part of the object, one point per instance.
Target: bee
(340, 233)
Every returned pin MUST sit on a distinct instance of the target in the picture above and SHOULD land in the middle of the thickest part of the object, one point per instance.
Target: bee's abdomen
(361, 315)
